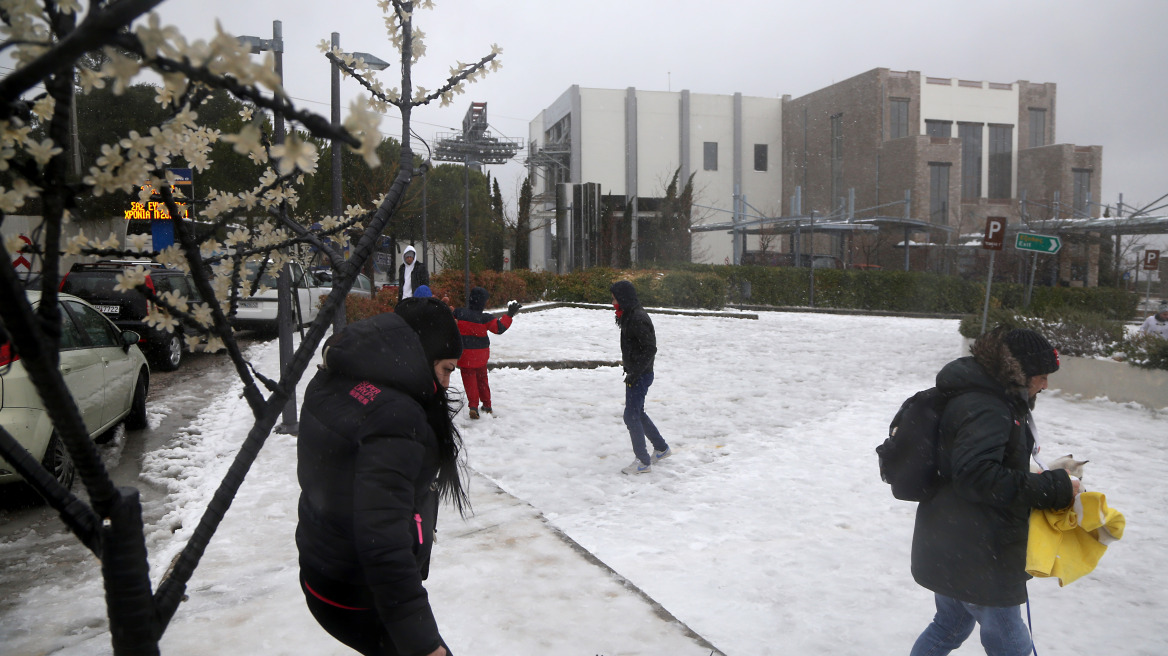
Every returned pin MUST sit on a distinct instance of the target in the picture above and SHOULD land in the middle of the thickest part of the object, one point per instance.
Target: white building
(631, 142)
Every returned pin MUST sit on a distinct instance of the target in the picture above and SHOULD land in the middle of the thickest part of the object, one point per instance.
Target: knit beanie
(1033, 352)
(432, 320)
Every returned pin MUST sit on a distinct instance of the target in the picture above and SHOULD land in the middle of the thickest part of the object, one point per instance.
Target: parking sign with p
(1151, 260)
(995, 233)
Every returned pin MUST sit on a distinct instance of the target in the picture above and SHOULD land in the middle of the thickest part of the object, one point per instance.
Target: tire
(58, 462)
(169, 351)
(136, 420)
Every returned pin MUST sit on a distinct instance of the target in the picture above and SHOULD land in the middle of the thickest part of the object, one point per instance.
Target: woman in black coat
(969, 543)
(376, 450)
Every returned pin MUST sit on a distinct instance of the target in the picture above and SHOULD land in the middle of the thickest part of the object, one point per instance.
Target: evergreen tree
(522, 254)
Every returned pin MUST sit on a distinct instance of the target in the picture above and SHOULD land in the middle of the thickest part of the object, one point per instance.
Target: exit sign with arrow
(1041, 243)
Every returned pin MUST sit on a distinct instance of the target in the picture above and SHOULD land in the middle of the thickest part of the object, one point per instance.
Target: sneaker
(474, 414)
(661, 455)
(637, 467)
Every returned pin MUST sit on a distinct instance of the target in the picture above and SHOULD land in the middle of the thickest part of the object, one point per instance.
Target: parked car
(258, 311)
(95, 283)
(362, 286)
(104, 370)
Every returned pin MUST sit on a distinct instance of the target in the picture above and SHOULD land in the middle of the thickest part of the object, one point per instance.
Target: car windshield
(267, 280)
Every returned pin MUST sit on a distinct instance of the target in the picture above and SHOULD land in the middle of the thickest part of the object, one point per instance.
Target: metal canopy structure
(475, 142)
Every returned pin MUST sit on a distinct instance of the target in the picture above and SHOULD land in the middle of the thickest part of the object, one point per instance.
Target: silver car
(104, 370)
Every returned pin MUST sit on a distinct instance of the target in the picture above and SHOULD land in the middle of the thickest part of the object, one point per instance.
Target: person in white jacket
(1157, 324)
(411, 275)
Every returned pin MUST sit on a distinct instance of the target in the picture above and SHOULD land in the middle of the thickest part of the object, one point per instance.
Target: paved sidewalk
(534, 590)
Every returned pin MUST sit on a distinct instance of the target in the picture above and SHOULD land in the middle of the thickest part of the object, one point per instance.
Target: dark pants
(474, 380)
(638, 423)
(358, 628)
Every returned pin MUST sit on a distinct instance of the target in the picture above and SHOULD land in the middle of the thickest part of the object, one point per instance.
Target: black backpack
(908, 458)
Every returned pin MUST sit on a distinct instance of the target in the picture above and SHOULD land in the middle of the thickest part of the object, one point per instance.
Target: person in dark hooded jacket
(969, 543)
(377, 449)
(474, 324)
(638, 351)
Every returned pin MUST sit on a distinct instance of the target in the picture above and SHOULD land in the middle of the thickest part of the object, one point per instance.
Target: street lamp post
(290, 424)
(467, 163)
(335, 149)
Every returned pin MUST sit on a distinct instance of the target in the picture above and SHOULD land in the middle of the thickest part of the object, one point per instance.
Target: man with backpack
(969, 543)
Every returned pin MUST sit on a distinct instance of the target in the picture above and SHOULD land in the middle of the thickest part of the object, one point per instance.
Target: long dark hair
(440, 411)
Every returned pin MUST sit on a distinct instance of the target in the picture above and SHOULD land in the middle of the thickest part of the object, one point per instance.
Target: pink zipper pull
(418, 519)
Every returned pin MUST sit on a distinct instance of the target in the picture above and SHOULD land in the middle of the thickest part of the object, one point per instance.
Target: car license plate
(109, 310)
(251, 305)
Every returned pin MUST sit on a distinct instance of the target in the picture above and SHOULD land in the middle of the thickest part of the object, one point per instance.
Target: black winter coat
(970, 538)
(638, 339)
(367, 466)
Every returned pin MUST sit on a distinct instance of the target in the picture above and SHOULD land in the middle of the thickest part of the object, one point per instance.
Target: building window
(1037, 127)
(837, 156)
(939, 192)
(939, 128)
(760, 157)
(970, 134)
(1082, 179)
(1001, 160)
(898, 118)
(710, 155)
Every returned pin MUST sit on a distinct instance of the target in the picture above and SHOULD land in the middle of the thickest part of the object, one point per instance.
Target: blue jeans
(638, 422)
(1003, 633)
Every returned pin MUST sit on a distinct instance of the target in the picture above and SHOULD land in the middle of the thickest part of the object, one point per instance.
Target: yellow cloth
(1068, 543)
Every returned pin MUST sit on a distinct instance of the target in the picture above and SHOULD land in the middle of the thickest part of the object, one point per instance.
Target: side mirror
(129, 338)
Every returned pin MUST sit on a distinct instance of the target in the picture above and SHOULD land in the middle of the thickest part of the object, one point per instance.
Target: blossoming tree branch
(53, 44)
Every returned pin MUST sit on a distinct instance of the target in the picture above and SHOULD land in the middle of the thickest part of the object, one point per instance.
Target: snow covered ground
(768, 532)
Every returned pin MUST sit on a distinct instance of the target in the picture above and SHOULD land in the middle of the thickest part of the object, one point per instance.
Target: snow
(767, 532)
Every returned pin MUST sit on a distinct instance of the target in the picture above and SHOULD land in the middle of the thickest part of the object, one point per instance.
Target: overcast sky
(1108, 59)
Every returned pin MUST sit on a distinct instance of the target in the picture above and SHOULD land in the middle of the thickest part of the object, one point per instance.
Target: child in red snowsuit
(474, 324)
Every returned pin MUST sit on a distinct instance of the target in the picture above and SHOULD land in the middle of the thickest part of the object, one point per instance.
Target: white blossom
(130, 278)
(44, 151)
(295, 154)
(138, 243)
(160, 319)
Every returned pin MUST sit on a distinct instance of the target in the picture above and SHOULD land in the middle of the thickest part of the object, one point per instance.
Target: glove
(630, 380)
(513, 308)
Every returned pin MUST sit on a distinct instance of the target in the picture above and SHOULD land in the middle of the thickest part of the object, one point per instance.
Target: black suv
(95, 283)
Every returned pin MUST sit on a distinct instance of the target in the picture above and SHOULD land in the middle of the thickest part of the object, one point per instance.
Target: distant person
(969, 542)
(474, 324)
(1157, 324)
(638, 350)
(377, 450)
(411, 274)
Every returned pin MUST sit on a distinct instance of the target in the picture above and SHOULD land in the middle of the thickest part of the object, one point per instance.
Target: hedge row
(714, 286)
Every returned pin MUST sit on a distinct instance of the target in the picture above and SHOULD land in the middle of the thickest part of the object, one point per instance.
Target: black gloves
(630, 380)
(513, 308)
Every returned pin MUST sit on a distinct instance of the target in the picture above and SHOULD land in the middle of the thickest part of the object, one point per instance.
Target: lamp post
(290, 424)
(335, 149)
(467, 162)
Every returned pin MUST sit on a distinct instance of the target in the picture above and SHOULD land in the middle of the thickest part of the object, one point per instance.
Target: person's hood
(383, 350)
(478, 299)
(410, 249)
(625, 294)
(991, 368)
